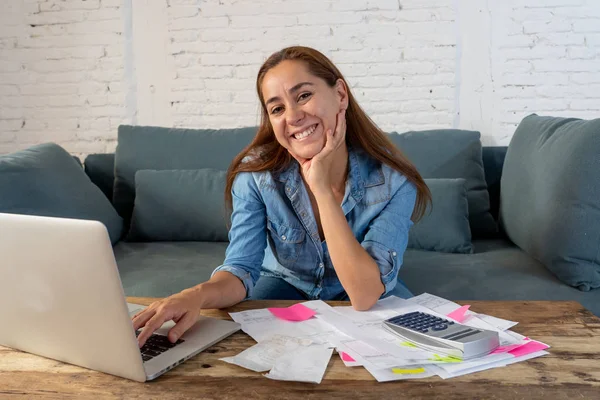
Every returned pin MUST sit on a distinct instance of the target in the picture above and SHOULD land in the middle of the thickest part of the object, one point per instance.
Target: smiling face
(301, 107)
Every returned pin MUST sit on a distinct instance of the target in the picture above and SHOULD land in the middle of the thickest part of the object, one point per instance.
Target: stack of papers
(296, 343)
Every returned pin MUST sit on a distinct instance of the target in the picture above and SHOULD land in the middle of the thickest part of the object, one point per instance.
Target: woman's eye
(304, 96)
(275, 110)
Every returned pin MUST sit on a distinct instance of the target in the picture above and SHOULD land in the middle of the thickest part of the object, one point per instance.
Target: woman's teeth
(306, 133)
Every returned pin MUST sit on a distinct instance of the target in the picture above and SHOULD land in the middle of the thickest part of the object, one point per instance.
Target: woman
(321, 187)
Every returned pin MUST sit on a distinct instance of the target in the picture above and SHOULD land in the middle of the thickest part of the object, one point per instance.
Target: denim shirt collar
(364, 172)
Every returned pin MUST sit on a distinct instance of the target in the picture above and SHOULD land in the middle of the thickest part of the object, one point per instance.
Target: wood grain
(572, 370)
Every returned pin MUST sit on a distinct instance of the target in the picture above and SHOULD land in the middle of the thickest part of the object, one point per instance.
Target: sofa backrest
(493, 161)
(100, 169)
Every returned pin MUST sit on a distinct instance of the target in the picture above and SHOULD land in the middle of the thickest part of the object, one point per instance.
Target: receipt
(262, 356)
(305, 364)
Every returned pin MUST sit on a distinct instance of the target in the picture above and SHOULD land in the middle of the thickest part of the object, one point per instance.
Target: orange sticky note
(347, 357)
(297, 312)
(459, 314)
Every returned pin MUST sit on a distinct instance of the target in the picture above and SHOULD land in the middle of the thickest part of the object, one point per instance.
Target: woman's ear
(342, 93)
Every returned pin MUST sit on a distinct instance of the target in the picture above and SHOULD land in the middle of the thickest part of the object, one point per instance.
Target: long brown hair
(361, 131)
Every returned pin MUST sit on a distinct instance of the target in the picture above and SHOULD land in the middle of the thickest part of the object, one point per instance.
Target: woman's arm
(368, 269)
(355, 268)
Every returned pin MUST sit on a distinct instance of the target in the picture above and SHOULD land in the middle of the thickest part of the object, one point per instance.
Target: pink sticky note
(459, 314)
(528, 348)
(297, 312)
(346, 357)
(506, 349)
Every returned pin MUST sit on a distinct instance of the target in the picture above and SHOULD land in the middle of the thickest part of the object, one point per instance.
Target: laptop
(62, 298)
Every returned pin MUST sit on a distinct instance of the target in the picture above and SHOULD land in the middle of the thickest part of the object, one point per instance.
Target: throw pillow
(45, 180)
(179, 205)
(445, 226)
(144, 147)
(550, 196)
(451, 154)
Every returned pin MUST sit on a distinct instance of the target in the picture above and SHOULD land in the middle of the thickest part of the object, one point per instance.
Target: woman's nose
(294, 115)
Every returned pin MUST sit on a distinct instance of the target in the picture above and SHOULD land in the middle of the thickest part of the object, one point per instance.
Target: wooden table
(571, 371)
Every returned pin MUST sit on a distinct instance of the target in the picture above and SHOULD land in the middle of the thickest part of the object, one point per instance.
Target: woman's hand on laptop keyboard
(183, 308)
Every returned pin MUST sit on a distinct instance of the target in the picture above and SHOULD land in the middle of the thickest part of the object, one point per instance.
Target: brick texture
(67, 75)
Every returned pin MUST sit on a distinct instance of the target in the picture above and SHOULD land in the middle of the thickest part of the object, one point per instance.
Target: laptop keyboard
(155, 345)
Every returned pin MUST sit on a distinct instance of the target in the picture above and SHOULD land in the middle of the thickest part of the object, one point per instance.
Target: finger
(152, 325)
(328, 141)
(140, 319)
(182, 326)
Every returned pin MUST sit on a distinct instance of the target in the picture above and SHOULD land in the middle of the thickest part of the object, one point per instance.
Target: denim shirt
(274, 231)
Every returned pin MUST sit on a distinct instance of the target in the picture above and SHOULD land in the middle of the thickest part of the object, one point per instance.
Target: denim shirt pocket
(286, 242)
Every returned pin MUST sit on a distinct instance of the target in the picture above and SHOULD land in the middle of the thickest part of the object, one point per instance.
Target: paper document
(262, 356)
(446, 307)
(296, 343)
(305, 364)
(262, 324)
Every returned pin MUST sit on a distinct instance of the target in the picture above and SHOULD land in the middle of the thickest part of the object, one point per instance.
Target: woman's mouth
(306, 133)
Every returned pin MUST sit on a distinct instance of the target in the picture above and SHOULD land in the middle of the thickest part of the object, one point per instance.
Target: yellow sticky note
(408, 371)
(407, 344)
(448, 359)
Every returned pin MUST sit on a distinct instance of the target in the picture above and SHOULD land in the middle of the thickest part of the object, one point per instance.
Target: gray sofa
(496, 269)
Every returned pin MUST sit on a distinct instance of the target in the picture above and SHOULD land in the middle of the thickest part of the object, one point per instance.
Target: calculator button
(440, 327)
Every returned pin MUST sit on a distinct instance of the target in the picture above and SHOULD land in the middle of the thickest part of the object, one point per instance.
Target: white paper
(436, 303)
(367, 326)
(305, 364)
(262, 356)
(445, 307)
(445, 374)
(362, 336)
(502, 324)
(262, 324)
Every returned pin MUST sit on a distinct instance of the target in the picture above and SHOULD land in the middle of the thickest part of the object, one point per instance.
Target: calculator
(443, 335)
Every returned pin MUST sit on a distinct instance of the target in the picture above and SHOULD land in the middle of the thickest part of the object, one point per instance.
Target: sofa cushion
(101, 170)
(143, 147)
(45, 180)
(160, 269)
(550, 199)
(453, 153)
(493, 160)
(179, 205)
(497, 270)
(445, 226)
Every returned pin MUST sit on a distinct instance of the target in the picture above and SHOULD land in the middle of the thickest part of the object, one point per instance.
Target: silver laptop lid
(62, 297)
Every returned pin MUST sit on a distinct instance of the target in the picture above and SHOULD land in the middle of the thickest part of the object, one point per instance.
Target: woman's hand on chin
(317, 170)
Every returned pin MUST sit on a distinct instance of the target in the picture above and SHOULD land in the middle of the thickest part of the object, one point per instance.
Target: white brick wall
(61, 74)
(71, 70)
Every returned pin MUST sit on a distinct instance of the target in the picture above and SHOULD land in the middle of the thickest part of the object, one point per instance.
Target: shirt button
(303, 214)
(321, 265)
(394, 253)
(283, 237)
(288, 189)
